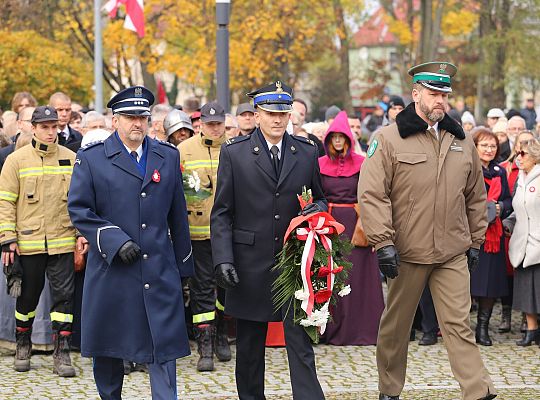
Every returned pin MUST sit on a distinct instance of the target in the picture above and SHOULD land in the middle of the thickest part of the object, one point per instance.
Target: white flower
(345, 291)
(301, 295)
(197, 180)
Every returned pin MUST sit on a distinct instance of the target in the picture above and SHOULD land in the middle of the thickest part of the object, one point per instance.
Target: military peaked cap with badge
(276, 97)
(212, 112)
(135, 100)
(44, 114)
(435, 75)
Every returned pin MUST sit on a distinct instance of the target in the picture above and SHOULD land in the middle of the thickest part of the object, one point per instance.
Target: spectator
(524, 252)
(196, 122)
(24, 125)
(529, 114)
(191, 105)
(95, 135)
(93, 120)
(75, 121)
(516, 124)
(67, 136)
(159, 112)
(231, 126)
(500, 130)
(301, 107)
(395, 106)
(22, 100)
(356, 129)
(493, 116)
(374, 121)
(355, 317)
(178, 128)
(245, 115)
(488, 281)
(467, 122)
(8, 117)
(331, 113)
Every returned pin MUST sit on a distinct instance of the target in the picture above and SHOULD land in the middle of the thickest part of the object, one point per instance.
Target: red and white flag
(134, 14)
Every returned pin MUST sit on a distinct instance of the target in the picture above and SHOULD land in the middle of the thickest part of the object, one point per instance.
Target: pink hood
(345, 164)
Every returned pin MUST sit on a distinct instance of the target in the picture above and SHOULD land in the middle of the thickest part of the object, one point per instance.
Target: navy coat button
(103, 255)
(143, 226)
(276, 238)
(143, 194)
(145, 256)
(276, 217)
(277, 194)
(146, 286)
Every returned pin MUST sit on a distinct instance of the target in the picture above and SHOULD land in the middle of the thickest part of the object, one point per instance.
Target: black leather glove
(310, 208)
(473, 258)
(388, 261)
(226, 276)
(13, 273)
(129, 252)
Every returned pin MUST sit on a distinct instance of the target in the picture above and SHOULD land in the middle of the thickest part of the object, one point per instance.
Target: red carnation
(337, 270)
(323, 272)
(322, 296)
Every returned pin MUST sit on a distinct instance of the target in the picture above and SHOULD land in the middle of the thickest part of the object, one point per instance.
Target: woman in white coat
(524, 249)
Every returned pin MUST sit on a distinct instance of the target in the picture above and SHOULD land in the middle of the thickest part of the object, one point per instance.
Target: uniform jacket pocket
(243, 237)
(31, 193)
(411, 158)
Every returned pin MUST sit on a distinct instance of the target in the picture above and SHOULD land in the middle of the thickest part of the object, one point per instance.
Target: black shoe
(204, 334)
(386, 397)
(428, 339)
(128, 367)
(489, 397)
(482, 327)
(529, 337)
(221, 340)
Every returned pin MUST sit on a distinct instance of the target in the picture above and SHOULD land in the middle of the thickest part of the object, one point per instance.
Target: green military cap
(435, 75)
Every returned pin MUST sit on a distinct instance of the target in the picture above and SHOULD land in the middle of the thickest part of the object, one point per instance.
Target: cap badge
(442, 68)
(278, 87)
(212, 111)
(532, 189)
(156, 177)
(47, 112)
(138, 92)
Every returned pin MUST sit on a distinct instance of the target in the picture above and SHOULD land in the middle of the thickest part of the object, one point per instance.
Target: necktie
(433, 132)
(275, 151)
(134, 155)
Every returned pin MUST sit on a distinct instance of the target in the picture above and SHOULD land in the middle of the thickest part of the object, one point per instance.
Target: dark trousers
(250, 348)
(202, 286)
(507, 300)
(109, 377)
(429, 317)
(60, 272)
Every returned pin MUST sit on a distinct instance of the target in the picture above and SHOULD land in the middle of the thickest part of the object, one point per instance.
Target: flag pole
(98, 58)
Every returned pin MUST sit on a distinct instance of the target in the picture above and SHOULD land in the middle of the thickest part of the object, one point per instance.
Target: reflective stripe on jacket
(33, 199)
(201, 155)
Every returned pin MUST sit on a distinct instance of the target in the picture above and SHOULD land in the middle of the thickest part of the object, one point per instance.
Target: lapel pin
(156, 177)
(256, 148)
(293, 148)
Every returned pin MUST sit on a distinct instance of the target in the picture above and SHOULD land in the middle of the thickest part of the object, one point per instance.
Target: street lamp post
(98, 58)
(223, 8)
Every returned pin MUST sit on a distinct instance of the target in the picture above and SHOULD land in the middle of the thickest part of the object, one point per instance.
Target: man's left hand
(473, 259)
(311, 208)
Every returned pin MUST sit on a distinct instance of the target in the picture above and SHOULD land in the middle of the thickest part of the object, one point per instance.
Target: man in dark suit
(67, 136)
(259, 177)
(126, 197)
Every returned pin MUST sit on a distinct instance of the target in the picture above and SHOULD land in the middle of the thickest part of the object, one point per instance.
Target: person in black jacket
(259, 177)
(67, 136)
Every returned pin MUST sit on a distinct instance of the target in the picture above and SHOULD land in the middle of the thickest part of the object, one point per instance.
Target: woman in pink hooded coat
(356, 316)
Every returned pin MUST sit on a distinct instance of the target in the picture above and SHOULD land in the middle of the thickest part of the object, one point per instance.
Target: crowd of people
(39, 145)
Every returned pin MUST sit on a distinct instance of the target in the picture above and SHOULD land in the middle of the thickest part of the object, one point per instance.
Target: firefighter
(37, 236)
(199, 156)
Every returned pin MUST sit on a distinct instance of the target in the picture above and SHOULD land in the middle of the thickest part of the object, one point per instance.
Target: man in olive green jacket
(423, 204)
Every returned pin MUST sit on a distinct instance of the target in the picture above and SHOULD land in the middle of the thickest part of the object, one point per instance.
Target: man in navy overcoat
(126, 198)
(259, 177)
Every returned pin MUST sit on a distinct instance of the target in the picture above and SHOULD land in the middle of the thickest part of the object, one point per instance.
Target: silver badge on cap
(212, 111)
(138, 92)
(47, 112)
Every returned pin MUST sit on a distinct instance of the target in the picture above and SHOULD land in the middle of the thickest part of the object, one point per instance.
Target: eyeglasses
(522, 153)
(228, 128)
(492, 147)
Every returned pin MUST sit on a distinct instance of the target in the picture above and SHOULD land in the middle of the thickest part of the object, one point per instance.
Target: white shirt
(278, 146)
(138, 150)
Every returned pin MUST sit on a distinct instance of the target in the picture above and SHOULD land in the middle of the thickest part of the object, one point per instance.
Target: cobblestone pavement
(345, 373)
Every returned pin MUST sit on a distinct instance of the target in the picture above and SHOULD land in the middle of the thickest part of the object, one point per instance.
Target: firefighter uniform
(33, 213)
(199, 157)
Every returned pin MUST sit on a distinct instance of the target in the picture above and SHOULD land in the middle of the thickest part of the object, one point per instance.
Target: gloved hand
(129, 252)
(226, 276)
(388, 261)
(311, 208)
(13, 272)
(473, 258)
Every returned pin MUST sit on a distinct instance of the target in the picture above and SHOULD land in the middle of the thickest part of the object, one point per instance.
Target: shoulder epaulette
(92, 144)
(170, 145)
(303, 140)
(236, 139)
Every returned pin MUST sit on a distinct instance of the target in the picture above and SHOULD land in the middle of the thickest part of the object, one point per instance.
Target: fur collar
(409, 123)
